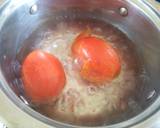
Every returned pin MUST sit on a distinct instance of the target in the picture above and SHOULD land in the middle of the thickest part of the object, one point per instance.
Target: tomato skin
(98, 60)
(43, 77)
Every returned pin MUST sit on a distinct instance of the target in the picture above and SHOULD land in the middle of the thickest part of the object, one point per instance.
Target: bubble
(4, 57)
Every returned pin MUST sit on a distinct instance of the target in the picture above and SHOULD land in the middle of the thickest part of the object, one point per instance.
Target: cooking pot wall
(21, 23)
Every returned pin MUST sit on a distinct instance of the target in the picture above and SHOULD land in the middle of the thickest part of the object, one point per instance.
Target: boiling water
(81, 102)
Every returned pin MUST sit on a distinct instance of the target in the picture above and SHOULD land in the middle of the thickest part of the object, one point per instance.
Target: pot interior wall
(20, 25)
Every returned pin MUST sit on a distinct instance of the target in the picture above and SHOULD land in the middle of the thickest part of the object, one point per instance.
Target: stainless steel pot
(18, 19)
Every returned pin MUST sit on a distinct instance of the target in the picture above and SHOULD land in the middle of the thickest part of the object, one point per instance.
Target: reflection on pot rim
(148, 112)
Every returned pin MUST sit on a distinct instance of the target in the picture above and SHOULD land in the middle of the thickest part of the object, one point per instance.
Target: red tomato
(97, 59)
(43, 76)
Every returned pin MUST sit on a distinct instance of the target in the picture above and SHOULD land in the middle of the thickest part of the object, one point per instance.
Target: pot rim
(125, 124)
